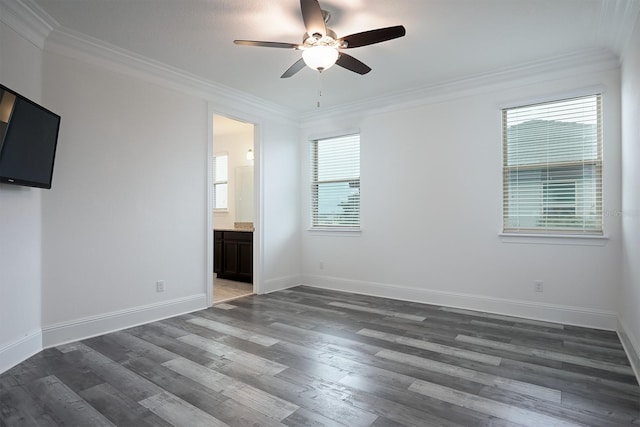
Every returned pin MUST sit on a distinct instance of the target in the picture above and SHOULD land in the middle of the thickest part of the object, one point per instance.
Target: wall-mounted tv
(28, 139)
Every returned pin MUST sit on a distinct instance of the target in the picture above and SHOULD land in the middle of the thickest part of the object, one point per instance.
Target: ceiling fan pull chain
(319, 88)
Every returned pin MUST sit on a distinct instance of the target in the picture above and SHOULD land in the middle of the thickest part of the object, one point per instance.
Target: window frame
(596, 164)
(332, 228)
(217, 183)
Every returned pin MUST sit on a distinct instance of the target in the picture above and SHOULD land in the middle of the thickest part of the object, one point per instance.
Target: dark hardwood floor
(312, 357)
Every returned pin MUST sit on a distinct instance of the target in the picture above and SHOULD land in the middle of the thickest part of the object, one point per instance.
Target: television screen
(28, 139)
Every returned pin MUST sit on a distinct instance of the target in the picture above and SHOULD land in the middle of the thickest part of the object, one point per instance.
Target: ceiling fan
(320, 46)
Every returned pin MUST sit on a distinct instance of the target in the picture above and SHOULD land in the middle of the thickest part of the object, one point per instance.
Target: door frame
(257, 203)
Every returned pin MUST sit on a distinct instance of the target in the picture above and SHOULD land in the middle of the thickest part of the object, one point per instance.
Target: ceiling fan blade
(312, 17)
(352, 64)
(373, 36)
(297, 66)
(266, 44)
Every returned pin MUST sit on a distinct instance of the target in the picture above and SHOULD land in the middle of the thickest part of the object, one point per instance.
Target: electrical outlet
(160, 286)
(538, 286)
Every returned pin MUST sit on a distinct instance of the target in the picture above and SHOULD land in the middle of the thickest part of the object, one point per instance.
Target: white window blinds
(220, 181)
(552, 167)
(335, 182)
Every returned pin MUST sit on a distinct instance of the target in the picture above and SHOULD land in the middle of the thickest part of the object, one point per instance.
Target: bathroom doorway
(233, 201)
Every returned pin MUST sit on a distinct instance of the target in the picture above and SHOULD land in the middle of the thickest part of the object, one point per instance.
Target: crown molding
(28, 20)
(617, 21)
(592, 60)
(97, 52)
(34, 24)
(616, 25)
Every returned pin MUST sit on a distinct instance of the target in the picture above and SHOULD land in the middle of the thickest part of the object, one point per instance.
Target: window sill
(335, 231)
(554, 239)
(221, 211)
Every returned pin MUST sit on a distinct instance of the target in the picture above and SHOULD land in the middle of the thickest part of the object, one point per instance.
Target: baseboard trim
(61, 333)
(631, 347)
(279, 284)
(20, 350)
(567, 315)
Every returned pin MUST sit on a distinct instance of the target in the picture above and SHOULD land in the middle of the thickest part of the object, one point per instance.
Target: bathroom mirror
(244, 193)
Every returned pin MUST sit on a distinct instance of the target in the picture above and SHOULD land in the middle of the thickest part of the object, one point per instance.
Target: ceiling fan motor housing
(330, 40)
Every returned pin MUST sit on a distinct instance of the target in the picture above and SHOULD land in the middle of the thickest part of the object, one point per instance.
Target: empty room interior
(420, 213)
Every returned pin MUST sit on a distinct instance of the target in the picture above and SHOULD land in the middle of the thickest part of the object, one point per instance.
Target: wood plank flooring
(313, 357)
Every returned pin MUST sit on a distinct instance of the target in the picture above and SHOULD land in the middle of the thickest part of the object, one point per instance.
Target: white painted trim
(587, 61)
(30, 21)
(258, 201)
(99, 53)
(335, 231)
(280, 283)
(258, 214)
(581, 92)
(617, 20)
(333, 134)
(566, 315)
(554, 239)
(92, 326)
(208, 285)
(615, 28)
(631, 347)
(20, 350)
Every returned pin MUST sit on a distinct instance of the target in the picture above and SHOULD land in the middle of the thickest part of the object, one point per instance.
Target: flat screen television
(28, 140)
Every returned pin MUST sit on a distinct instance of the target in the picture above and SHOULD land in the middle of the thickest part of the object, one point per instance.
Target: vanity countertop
(242, 230)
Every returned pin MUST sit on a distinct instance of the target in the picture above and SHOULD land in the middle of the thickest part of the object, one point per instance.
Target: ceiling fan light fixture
(320, 58)
(321, 48)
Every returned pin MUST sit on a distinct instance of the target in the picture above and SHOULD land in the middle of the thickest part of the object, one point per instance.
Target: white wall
(431, 181)
(128, 203)
(279, 157)
(128, 207)
(129, 200)
(20, 70)
(629, 296)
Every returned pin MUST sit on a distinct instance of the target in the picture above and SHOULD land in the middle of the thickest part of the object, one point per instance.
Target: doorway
(234, 212)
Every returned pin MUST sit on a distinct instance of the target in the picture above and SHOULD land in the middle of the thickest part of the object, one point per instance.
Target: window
(561, 200)
(220, 181)
(335, 182)
(552, 167)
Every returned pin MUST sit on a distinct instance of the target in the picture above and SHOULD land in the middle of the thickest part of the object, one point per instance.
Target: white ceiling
(446, 39)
